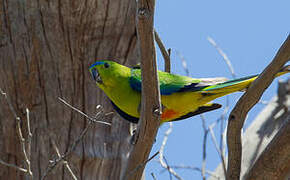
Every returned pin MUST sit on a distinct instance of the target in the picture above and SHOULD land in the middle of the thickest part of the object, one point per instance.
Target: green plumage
(181, 96)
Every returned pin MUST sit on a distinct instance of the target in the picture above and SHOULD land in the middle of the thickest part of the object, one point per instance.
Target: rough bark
(150, 108)
(45, 50)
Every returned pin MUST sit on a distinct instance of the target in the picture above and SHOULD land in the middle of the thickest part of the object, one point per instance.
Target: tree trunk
(46, 48)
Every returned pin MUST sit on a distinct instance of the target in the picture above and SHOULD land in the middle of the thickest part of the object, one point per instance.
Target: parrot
(181, 96)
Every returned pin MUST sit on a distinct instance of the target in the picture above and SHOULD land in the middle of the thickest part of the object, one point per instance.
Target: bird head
(106, 73)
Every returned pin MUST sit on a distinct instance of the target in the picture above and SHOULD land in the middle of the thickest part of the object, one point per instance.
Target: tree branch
(91, 120)
(13, 166)
(21, 138)
(245, 103)
(65, 163)
(161, 156)
(165, 54)
(150, 108)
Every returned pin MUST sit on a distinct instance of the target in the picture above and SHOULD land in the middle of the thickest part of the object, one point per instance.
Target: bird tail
(238, 84)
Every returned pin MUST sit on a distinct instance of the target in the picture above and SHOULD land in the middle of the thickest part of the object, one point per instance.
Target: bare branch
(225, 57)
(13, 166)
(142, 165)
(29, 140)
(65, 163)
(165, 54)
(161, 156)
(22, 143)
(153, 176)
(168, 168)
(246, 102)
(205, 133)
(184, 64)
(98, 116)
(20, 136)
(219, 150)
(192, 168)
(9, 104)
(84, 114)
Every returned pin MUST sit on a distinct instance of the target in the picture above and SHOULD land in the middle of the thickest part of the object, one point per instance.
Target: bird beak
(96, 76)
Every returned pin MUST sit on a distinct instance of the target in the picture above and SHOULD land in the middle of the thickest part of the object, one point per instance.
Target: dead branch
(13, 166)
(222, 118)
(164, 52)
(65, 163)
(205, 133)
(245, 103)
(161, 156)
(194, 169)
(225, 57)
(219, 150)
(21, 138)
(150, 108)
(184, 64)
(142, 165)
(153, 176)
(84, 114)
(91, 120)
(29, 140)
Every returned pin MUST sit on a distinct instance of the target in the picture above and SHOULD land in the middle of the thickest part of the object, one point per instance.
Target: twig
(192, 168)
(84, 114)
(225, 57)
(184, 64)
(55, 162)
(19, 133)
(142, 165)
(205, 131)
(9, 103)
(220, 151)
(165, 53)
(153, 176)
(65, 163)
(161, 156)
(168, 168)
(22, 143)
(13, 166)
(29, 140)
(245, 103)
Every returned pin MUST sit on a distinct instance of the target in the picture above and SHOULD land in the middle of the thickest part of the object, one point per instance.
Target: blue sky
(249, 32)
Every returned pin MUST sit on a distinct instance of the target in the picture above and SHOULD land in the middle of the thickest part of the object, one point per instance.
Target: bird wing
(171, 83)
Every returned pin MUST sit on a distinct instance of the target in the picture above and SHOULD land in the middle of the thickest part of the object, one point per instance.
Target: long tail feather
(238, 84)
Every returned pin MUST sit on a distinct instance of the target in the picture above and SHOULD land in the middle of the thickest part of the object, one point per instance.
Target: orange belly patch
(168, 114)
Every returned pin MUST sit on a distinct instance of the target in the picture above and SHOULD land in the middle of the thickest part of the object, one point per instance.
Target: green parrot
(181, 96)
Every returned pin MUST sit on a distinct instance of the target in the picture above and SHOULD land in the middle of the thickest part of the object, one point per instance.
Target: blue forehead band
(97, 63)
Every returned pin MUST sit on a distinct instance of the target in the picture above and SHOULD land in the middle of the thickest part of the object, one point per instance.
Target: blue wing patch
(165, 88)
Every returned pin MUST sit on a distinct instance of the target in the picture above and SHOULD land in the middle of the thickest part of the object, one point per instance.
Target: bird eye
(106, 65)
